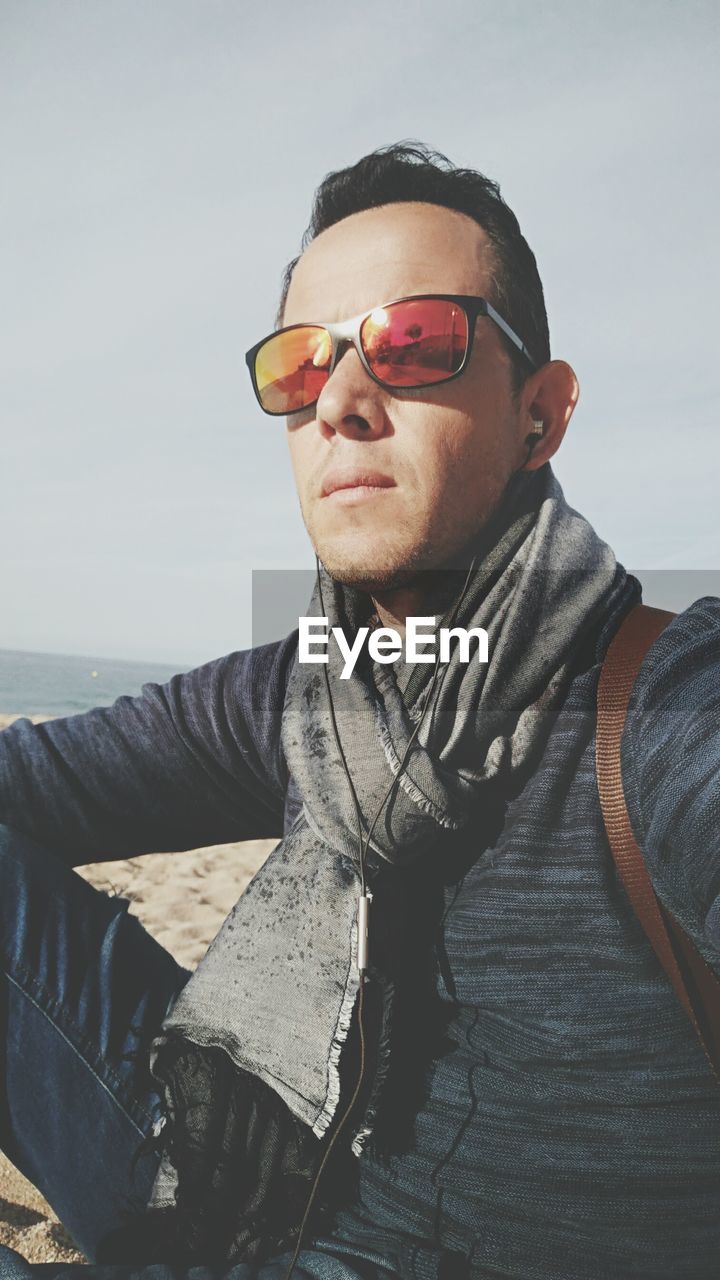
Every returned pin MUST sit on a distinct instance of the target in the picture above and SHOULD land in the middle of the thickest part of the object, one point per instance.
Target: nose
(350, 403)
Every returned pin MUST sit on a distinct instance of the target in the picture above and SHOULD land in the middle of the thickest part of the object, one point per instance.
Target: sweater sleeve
(671, 770)
(193, 762)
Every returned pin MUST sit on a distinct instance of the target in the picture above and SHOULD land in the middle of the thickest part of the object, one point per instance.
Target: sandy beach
(182, 899)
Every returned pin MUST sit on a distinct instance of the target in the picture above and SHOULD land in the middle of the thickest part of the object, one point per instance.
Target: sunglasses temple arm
(510, 333)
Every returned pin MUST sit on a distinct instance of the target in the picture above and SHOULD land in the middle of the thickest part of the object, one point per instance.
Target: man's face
(442, 455)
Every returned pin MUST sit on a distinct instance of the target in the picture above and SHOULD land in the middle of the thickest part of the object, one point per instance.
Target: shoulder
(678, 687)
(671, 765)
(250, 681)
(234, 704)
(257, 684)
(268, 666)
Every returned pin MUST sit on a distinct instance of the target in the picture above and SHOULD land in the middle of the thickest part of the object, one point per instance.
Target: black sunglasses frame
(348, 331)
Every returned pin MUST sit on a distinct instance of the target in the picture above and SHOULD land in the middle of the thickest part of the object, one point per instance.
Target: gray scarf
(277, 987)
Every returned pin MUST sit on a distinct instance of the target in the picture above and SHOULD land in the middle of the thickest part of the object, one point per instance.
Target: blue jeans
(83, 987)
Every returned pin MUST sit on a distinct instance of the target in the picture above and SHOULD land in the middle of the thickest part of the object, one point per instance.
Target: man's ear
(548, 400)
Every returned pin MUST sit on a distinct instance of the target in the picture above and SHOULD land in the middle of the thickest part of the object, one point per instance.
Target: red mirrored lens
(415, 343)
(291, 368)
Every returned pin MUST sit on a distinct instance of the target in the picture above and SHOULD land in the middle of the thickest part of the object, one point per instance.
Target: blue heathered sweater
(570, 1127)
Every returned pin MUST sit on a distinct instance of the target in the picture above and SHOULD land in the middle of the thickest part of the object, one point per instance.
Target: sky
(159, 162)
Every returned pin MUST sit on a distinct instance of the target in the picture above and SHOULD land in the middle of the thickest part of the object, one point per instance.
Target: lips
(354, 478)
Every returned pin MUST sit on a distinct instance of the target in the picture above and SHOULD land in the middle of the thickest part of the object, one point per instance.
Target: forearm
(188, 763)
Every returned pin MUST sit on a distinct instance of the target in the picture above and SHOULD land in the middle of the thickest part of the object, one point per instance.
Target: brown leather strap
(695, 984)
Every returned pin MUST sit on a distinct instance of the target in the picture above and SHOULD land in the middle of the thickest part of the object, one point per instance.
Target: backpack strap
(694, 982)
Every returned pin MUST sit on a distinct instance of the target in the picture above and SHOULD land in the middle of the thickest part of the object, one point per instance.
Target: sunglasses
(406, 344)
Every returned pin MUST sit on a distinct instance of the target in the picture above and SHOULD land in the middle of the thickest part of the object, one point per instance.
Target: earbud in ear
(533, 436)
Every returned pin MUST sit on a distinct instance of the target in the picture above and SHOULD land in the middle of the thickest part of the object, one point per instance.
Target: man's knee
(18, 848)
(12, 1266)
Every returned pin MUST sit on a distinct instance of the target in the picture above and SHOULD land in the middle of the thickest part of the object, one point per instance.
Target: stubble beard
(420, 565)
(415, 558)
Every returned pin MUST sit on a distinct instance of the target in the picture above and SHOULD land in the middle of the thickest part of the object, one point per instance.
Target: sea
(58, 684)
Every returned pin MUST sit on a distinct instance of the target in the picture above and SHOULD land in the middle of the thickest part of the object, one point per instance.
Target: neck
(428, 596)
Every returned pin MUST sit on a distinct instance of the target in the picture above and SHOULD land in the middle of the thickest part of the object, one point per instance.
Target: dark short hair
(411, 171)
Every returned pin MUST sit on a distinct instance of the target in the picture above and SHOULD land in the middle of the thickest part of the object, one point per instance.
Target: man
(509, 1083)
